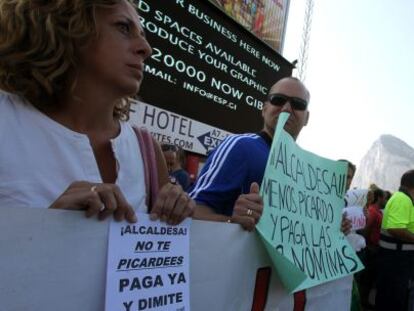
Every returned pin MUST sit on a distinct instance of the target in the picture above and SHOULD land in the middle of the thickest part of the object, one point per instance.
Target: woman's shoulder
(14, 112)
(10, 102)
(7, 115)
(5, 98)
(128, 130)
(128, 137)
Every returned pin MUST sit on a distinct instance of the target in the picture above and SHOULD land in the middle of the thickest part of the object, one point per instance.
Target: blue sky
(360, 73)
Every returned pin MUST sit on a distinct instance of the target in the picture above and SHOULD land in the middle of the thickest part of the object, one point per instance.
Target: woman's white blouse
(40, 158)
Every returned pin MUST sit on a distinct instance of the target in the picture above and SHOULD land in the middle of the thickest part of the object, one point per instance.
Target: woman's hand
(248, 208)
(173, 205)
(101, 200)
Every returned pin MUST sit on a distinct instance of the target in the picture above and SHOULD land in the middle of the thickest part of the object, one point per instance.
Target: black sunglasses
(295, 102)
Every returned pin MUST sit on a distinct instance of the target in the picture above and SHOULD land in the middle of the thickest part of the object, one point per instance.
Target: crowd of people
(66, 142)
(386, 283)
(366, 279)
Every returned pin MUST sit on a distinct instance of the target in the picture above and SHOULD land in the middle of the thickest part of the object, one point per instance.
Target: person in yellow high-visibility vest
(396, 252)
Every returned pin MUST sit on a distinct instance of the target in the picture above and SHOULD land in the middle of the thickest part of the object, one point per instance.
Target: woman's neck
(87, 110)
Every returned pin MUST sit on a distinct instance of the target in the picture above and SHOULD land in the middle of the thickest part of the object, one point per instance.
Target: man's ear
(265, 105)
(306, 118)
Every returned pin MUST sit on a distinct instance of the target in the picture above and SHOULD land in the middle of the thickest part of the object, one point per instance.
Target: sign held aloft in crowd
(303, 200)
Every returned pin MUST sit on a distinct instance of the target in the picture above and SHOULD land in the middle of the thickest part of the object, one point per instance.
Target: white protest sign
(356, 200)
(357, 217)
(148, 266)
(356, 197)
(56, 260)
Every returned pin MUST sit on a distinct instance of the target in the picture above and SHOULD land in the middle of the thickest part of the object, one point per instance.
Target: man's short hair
(407, 179)
(297, 80)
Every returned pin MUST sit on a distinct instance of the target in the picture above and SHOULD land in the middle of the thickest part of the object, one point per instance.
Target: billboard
(265, 18)
(206, 66)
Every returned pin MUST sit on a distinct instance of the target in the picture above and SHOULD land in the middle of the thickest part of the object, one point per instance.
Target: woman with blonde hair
(67, 71)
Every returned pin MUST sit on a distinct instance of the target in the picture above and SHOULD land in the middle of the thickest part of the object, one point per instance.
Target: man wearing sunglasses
(228, 187)
(288, 95)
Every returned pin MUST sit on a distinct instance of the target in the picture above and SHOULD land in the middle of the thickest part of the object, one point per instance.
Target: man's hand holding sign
(248, 208)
